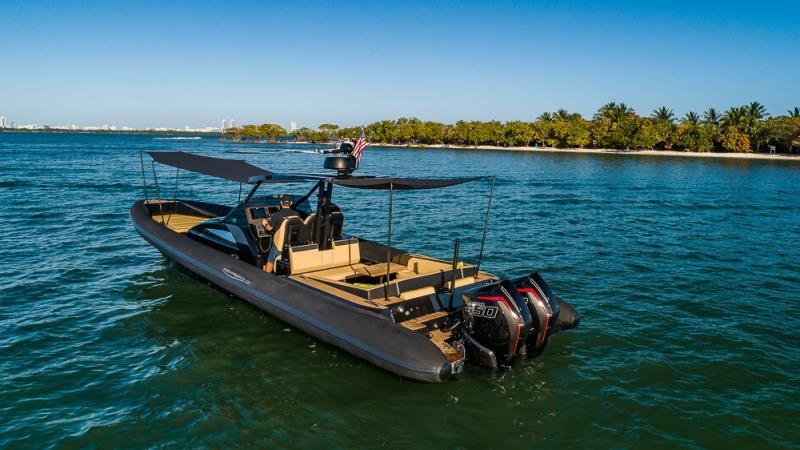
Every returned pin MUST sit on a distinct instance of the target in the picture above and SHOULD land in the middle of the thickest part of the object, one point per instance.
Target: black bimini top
(229, 169)
(386, 183)
(244, 172)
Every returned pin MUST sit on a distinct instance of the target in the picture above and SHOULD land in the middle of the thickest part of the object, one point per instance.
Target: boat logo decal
(480, 310)
(235, 276)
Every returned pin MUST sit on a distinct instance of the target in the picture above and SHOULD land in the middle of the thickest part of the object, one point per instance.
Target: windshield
(237, 215)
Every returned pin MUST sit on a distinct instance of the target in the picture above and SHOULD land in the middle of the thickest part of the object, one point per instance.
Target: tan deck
(180, 223)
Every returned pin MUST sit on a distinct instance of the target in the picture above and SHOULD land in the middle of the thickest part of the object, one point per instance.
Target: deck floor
(180, 223)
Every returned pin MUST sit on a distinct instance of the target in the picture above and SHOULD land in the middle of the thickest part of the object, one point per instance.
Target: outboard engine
(496, 323)
(550, 313)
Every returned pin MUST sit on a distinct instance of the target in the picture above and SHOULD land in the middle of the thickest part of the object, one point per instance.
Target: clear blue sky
(153, 64)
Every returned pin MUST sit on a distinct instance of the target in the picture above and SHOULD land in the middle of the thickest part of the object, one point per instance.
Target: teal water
(686, 272)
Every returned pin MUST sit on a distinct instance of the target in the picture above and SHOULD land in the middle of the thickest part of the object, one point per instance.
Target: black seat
(336, 225)
(287, 234)
(293, 233)
(307, 231)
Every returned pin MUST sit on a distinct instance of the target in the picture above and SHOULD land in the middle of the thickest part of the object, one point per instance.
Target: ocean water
(686, 273)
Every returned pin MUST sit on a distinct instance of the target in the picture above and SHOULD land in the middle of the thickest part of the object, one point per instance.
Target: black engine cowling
(543, 307)
(507, 319)
(496, 322)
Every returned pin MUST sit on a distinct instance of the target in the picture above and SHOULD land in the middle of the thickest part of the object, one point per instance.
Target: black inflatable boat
(413, 315)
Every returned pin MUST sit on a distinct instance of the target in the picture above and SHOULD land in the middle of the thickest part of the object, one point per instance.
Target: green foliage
(780, 132)
(615, 125)
(694, 137)
(521, 134)
(268, 131)
(735, 140)
(647, 135)
(328, 127)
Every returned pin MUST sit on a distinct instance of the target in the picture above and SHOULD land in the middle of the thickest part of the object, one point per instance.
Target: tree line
(746, 128)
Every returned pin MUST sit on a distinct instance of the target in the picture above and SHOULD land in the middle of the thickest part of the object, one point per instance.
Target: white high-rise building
(293, 126)
(3, 123)
(224, 125)
(187, 128)
(231, 124)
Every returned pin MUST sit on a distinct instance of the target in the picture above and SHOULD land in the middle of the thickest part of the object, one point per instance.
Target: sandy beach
(610, 151)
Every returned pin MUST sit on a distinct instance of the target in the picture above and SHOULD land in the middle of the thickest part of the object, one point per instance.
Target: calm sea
(686, 272)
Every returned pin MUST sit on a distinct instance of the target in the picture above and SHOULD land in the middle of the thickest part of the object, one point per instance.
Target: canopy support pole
(158, 193)
(485, 228)
(453, 275)
(174, 196)
(327, 228)
(144, 177)
(251, 193)
(308, 195)
(238, 200)
(389, 243)
(322, 229)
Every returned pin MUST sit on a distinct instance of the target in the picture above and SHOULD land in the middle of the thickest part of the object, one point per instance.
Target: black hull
(363, 333)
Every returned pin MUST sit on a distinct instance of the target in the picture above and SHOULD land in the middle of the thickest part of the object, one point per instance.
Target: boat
(416, 316)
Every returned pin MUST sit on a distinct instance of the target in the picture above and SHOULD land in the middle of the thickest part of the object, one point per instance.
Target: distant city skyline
(224, 125)
(353, 63)
(6, 124)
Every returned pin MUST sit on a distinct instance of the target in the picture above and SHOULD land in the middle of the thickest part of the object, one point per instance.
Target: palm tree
(794, 113)
(623, 111)
(711, 117)
(664, 114)
(605, 111)
(545, 117)
(691, 117)
(562, 114)
(757, 111)
(613, 112)
(734, 117)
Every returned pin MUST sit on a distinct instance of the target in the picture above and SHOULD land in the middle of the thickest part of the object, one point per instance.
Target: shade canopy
(244, 172)
(229, 169)
(386, 183)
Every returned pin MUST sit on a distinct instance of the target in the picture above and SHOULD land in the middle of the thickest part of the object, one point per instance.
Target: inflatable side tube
(361, 332)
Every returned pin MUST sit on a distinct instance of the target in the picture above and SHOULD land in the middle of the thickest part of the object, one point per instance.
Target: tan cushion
(422, 265)
(417, 293)
(309, 259)
(464, 281)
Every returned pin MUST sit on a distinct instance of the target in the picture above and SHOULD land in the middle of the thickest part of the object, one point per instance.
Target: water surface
(686, 272)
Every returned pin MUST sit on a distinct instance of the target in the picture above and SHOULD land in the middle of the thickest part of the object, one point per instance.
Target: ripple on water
(685, 273)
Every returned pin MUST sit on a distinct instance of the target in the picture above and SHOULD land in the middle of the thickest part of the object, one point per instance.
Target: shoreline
(603, 151)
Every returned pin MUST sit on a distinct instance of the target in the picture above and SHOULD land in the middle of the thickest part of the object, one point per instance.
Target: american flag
(361, 145)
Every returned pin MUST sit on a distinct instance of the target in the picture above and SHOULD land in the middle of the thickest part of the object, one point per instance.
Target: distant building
(293, 127)
(231, 124)
(224, 125)
(3, 123)
(187, 128)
